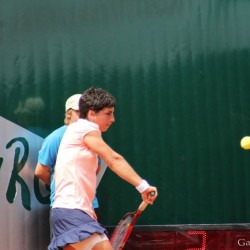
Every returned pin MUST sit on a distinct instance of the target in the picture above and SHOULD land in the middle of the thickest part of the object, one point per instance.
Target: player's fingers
(151, 194)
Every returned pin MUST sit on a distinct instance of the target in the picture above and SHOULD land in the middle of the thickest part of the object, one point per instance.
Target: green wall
(180, 72)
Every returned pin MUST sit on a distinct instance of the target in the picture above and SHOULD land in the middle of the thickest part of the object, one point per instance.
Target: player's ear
(91, 115)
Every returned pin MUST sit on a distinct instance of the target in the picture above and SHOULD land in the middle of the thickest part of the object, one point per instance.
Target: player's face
(105, 118)
(74, 116)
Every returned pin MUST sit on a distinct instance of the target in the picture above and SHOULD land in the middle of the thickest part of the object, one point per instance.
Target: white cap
(73, 102)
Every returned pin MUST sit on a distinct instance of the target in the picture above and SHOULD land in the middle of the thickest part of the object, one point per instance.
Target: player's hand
(150, 195)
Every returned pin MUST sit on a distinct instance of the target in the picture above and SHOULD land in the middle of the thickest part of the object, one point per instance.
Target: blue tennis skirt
(71, 226)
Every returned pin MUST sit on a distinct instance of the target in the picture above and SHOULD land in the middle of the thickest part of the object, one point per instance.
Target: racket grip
(142, 206)
(152, 193)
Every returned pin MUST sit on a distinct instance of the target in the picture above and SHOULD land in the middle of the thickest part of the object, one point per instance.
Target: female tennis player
(74, 224)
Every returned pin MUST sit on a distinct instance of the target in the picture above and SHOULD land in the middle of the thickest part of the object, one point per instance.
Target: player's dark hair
(95, 99)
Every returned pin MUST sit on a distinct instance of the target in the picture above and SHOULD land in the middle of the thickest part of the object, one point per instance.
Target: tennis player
(74, 224)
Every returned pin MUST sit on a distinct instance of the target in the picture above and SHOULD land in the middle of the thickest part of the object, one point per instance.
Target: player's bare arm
(43, 173)
(117, 163)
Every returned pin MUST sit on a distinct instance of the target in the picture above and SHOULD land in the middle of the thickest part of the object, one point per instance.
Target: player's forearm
(121, 167)
(45, 179)
(43, 173)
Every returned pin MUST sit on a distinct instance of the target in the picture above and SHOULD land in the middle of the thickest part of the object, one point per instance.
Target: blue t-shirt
(95, 203)
(47, 156)
(48, 153)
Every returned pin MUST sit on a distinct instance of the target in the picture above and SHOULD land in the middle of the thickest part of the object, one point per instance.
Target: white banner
(23, 216)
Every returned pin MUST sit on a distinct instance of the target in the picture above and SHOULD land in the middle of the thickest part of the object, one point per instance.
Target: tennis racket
(121, 233)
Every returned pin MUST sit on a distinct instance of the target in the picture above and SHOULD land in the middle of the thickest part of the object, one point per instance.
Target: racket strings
(120, 232)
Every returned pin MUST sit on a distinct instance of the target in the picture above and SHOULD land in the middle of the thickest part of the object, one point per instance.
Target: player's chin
(104, 129)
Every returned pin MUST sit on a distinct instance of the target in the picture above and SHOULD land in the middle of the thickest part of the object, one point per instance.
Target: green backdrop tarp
(180, 72)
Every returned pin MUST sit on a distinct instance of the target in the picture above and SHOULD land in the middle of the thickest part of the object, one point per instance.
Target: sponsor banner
(24, 201)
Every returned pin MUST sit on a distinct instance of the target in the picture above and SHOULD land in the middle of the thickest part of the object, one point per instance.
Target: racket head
(123, 230)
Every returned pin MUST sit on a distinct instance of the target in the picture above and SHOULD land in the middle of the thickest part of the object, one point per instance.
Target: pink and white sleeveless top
(75, 170)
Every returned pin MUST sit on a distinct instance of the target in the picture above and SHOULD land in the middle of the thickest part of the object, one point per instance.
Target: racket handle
(144, 204)
(151, 193)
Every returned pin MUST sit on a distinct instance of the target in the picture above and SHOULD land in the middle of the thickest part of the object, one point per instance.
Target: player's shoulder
(84, 124)
(60, 130)
(56, 133)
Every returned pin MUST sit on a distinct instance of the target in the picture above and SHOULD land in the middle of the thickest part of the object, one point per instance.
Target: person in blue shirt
(48, 152)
